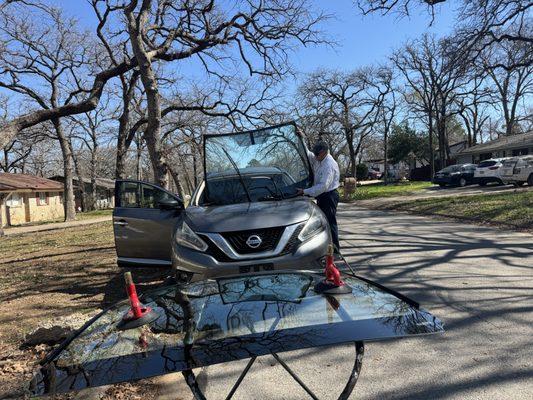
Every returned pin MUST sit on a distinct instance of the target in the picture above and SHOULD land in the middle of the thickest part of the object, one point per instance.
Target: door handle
(120, 222)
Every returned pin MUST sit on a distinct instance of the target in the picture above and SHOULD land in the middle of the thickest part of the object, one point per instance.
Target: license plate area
(246, 269)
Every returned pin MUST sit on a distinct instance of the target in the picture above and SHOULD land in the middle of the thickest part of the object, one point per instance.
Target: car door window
(151, 196)
(129, 195)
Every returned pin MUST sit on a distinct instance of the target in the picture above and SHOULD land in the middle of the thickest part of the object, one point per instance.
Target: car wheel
(519, 183)
(530, 180)
(500, 182)
(462, 182)
(482, 182)
(442, 185)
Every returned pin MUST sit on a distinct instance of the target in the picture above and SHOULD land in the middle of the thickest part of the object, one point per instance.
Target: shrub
(361, 171)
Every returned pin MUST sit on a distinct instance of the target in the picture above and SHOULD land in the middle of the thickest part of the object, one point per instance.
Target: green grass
(514, 209)
(377, 190)
(94, 214)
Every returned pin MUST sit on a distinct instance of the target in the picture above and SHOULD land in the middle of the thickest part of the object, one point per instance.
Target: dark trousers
(327, 202)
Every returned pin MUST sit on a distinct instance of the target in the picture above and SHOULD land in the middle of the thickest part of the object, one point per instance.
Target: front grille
(269, 239)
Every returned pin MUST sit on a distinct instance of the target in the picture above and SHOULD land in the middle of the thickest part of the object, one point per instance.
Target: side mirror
(171, 204)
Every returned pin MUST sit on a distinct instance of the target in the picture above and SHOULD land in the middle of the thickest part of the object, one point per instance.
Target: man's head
(320, 150)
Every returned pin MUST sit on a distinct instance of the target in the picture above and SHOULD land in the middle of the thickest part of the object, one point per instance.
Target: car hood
(247, 216)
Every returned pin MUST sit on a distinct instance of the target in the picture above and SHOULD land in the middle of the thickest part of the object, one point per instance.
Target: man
(324, 189)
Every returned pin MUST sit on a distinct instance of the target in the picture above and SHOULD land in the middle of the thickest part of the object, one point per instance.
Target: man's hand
(300, 192)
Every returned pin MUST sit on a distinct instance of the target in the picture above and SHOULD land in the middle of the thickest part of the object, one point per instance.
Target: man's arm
(322, 185)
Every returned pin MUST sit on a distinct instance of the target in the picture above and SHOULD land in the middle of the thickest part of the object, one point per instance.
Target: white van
(518, 170)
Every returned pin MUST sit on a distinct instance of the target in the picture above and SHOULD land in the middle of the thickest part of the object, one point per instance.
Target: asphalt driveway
(478, 280)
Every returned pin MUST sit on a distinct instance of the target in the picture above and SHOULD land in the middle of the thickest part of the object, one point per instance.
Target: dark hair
(320, 146)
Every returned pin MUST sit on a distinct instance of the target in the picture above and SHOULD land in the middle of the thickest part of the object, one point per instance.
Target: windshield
(266, 164)
(210, 322)
(484, 164)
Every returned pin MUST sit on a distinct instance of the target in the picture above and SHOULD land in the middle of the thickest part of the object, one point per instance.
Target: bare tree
(473, 107)
(387, 111)
(350, 100)
(40, 62)
(434, 78)
(512, 84)
(483, 22)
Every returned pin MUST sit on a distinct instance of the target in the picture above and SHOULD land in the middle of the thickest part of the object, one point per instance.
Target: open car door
(143, 221)
(233, 318)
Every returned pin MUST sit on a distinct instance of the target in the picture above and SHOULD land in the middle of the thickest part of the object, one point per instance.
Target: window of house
(520, 152)
(42, 198)
(15, 200)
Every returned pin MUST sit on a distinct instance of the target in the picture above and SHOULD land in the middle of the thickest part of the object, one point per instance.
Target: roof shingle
(14, 182)
(503, 143)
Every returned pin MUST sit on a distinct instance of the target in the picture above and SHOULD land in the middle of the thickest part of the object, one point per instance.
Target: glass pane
(151, 196)
(272, 164)
(128, 195)
(211, 322)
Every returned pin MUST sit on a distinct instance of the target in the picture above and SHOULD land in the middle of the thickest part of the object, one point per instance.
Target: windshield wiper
(238, 174)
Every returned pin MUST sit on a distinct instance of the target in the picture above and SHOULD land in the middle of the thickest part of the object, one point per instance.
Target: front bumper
(447, 180)
(203, 265)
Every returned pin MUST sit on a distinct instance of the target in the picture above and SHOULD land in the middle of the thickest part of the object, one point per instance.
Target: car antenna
(238, 173)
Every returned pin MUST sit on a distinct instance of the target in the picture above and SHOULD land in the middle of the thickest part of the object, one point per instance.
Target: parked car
(374, 174)
(456, 175)
(244, 217)
(518, 170)
(488, 171)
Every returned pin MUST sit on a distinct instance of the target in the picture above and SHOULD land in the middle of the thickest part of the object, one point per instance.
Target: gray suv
(244, 216)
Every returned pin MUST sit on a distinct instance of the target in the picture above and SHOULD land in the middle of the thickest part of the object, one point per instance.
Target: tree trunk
(386, 162)
(152, 134)
(94, 163)
(2, 196)
(176, 179)
(195, 172)
(120, 166)
(138, 159)
(81, 184)
(128, 90)
(431, 155)
(69, 203)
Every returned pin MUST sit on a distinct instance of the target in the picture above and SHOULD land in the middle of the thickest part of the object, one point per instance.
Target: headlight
(455, 173)
(185, 236)
(315, 224)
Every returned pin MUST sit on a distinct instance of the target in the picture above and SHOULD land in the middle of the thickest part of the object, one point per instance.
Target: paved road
(478, 280)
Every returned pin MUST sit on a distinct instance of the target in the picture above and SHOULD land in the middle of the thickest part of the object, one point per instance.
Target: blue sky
(362, 40)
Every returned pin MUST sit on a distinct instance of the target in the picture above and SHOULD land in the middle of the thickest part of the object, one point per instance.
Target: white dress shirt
(326, 175)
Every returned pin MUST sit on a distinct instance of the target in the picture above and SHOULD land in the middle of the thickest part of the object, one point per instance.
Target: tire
(442, 185)
(462, 182)
(518, 184)
(482, 182)
(530, 180)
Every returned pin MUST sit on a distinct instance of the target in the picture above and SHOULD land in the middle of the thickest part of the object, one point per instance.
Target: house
(396, 170)
(505, 146)
(28, 198)
(105, 191)
(456, 155)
